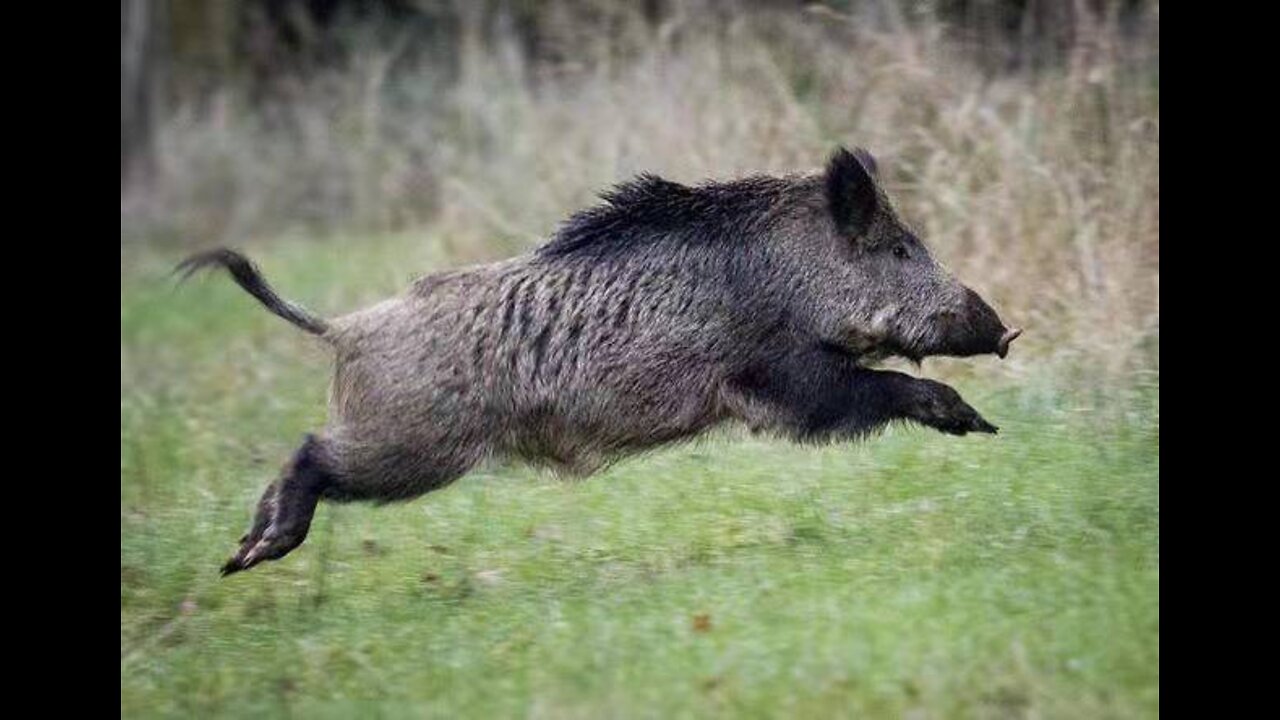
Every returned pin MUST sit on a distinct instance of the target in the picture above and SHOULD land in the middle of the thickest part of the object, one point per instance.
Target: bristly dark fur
(665, 311)
(648, 209)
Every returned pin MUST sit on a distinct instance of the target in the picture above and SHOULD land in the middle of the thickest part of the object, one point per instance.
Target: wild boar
(660, 313)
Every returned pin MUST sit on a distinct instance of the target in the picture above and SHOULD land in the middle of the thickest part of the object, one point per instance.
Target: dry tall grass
(1041, 189)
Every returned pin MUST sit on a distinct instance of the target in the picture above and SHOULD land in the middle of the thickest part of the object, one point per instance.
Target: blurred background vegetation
(350, 145)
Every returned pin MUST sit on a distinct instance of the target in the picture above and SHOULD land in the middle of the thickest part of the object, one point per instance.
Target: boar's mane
(650, 209)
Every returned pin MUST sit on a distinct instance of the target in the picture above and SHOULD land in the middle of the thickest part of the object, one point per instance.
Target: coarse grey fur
(661, 313)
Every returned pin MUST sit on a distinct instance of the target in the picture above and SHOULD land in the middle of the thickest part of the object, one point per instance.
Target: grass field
(913, 575)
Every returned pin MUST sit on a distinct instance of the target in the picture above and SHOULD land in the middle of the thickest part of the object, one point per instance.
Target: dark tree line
(172, 50)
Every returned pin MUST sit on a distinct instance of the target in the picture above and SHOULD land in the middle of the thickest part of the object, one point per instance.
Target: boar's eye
(901, 253)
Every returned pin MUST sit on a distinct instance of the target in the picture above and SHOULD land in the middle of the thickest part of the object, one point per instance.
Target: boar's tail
(247, 276)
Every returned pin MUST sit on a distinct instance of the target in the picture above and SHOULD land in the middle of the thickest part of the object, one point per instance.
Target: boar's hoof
(982, 426)
(944, 410)
(966, 425)
(271, 546)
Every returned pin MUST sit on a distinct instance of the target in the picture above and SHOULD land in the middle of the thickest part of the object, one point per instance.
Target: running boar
(662, 312)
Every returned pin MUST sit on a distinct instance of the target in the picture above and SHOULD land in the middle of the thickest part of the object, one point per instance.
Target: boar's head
(876, 288)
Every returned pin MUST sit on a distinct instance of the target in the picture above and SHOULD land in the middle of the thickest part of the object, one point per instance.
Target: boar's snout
(976, 329)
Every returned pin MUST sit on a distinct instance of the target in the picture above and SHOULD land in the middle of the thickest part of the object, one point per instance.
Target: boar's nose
(1002, 348)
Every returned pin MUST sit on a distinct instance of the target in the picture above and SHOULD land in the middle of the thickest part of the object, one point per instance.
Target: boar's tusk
(1002, 348)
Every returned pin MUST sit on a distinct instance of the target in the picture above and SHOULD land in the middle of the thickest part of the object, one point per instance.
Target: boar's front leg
(820, 395)
(933, 404)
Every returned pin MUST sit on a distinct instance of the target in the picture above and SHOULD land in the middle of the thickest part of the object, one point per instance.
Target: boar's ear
(867, 161)
(851, 190)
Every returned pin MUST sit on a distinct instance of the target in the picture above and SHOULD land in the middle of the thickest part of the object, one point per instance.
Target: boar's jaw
(965, 348)
(972, 329)
(999, 346)
(932, 345)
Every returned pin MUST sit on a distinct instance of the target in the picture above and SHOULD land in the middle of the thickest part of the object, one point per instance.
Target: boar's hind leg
(285, 510)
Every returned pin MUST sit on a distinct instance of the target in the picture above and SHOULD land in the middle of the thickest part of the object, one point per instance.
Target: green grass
(913, 575)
